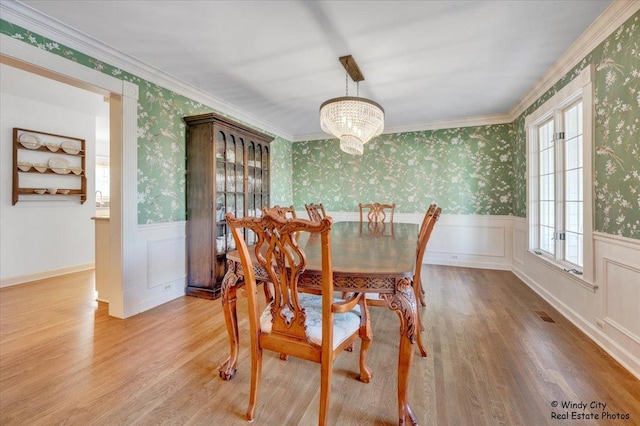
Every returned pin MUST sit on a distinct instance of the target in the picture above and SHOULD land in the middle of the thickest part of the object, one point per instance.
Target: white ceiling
(423, 61)
(24, 84)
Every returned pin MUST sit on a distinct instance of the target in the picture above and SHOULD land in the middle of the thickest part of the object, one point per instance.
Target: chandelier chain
(346, 83)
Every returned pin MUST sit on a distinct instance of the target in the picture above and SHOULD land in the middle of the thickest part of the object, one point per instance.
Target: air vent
(544, 317)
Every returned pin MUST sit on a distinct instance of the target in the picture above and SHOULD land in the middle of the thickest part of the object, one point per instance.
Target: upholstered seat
(344, 324)
(307, 326)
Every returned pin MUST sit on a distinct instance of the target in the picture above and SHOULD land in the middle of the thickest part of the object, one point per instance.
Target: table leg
(229, 288)
(403, 301)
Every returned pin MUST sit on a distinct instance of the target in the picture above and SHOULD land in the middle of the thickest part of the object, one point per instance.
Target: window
(559, 185)
(102, 182)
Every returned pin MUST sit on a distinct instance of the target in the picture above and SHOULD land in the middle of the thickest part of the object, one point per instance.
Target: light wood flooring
(492, 360)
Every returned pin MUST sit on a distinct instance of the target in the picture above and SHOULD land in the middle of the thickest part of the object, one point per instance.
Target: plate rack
(34, 152)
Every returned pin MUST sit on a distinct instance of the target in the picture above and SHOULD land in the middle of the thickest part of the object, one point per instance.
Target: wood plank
(492, 360)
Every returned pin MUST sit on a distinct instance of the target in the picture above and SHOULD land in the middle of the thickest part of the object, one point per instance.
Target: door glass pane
(573, 248)
(545, 135)
(573, 180)
(547, 243)
(547, 213)
(231, 149)
(571, 153)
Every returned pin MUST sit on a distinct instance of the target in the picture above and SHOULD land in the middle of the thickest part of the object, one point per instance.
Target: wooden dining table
(368, 259)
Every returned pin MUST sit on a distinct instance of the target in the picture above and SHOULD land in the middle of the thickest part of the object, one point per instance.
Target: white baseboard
(23, 279)
(628, 360)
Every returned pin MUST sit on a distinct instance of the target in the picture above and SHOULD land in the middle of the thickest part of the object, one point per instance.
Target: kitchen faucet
(98, 204)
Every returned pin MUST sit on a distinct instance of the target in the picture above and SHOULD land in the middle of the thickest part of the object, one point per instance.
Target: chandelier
(352, 119)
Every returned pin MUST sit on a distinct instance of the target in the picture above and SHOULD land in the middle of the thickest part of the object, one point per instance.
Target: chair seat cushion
(344, 324)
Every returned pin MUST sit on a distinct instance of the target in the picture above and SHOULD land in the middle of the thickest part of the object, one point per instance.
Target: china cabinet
(47, 166)
(227, 171)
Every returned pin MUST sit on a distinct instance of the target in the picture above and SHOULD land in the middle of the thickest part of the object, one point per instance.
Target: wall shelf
(38, 157)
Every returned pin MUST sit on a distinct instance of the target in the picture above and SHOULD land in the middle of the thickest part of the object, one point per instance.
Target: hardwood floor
(492, 360)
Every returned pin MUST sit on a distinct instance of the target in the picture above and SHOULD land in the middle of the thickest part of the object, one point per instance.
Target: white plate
(53, 147)
(29, 141)
(60, 165)
(70, 147)
(40, 167)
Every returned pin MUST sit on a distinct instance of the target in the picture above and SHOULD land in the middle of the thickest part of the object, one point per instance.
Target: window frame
(580, 88)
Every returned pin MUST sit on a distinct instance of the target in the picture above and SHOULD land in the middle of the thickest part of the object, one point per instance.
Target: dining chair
(281, 211)
(308, 326)
(376, 212)
(429, 221)
(315, 211)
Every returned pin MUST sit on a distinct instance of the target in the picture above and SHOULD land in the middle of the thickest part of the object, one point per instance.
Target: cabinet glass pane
(240, 205)
(239, 178)
(220, 145)
(251, 206)
(231, 174)
(231, 149)
(219, 176)
(258, 156)
(265, 181)
(258, 180)
(265, 158)
(240, 151)
(251, 154)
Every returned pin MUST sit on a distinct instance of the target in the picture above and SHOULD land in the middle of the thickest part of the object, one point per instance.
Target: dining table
(378, 258)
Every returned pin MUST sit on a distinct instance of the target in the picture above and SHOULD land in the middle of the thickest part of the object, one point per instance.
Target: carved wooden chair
(281, 211)
(307, 326)
(376, 212)
(429, 221)
(315, 211)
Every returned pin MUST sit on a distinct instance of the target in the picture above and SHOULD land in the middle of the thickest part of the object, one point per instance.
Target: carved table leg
(404, 303)
(366, 334)
(229, 287)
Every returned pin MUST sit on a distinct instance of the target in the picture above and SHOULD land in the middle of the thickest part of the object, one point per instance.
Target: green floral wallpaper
(617, 132)
(475, 170)
(161, 142)
(466, 170)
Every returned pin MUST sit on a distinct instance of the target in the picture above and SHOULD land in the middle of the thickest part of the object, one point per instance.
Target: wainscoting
(161, 267)
(605, 310)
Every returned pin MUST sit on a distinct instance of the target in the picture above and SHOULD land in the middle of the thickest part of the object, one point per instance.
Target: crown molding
(485, 120)
(612, 18)
(41, 24)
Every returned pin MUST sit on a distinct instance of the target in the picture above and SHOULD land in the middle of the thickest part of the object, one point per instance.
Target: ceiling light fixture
(352, 119)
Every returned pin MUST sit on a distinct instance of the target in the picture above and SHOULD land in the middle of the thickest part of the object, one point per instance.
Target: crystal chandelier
(352, 119)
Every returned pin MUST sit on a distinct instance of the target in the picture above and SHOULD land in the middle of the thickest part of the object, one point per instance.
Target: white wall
(44, 238)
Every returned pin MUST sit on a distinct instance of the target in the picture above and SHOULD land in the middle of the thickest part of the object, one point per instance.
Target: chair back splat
(281, 211)
(308, 326)
(315, 211)
(376, 212)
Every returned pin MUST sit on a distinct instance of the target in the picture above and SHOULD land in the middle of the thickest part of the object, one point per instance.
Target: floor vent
(544, 317)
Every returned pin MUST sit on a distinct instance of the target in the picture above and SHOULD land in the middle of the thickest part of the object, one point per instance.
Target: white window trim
(581, 86)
